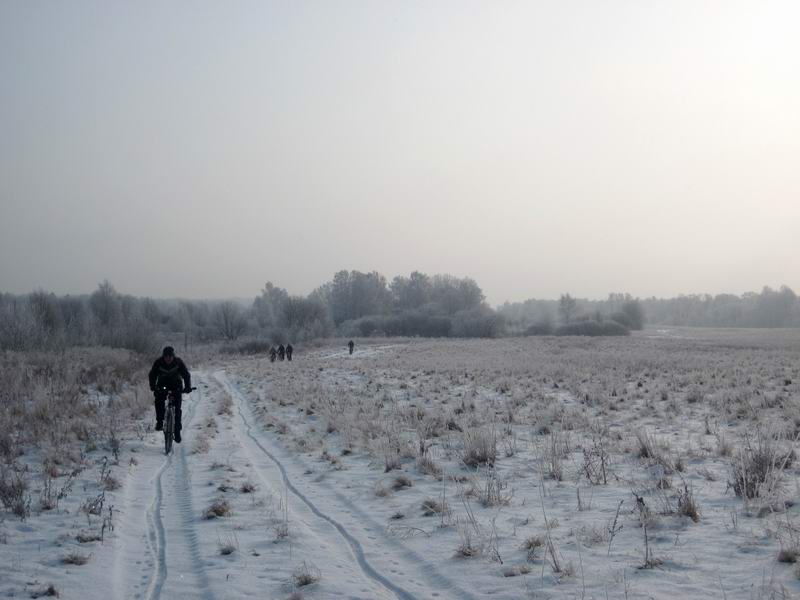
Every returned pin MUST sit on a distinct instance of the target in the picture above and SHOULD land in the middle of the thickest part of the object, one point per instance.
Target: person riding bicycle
(169, 374)
(281, 352)
(289, 351)
(351, 344)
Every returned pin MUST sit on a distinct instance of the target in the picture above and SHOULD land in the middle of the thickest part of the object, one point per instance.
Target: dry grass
(480, 448)
(431, 506)
(75, 558)
(219, 508)
(305, 574)
(49, 591)
(450, 402)
(401, 482)
(516, 570)
(757, 466)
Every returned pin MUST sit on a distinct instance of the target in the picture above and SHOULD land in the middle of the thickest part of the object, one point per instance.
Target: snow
(298, 453)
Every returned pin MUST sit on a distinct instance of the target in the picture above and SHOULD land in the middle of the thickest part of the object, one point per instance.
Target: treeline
(617, 315)
(362, 304)
(365, 304)
(769, 308)
(351, 304)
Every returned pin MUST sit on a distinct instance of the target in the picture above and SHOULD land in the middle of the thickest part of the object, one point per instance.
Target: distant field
(659, 465)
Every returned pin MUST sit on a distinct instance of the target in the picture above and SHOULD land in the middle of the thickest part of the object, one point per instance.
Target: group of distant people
(281, 353)
(285, 352)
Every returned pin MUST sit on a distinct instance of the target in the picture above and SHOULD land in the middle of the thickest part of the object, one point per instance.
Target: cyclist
(281, 352)
(167, 374)
(289, 351)
(351, 345)
(272, 354)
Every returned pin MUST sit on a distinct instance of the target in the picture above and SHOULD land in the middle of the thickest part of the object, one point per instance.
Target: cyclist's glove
(187, 390)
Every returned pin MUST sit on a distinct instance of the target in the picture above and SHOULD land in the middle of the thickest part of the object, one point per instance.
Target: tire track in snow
(156, 534)
(186, 510)
(354, 544)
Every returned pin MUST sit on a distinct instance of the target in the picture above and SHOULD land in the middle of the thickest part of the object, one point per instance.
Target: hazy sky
(199, 149)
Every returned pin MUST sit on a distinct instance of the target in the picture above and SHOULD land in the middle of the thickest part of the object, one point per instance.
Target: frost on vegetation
(305, 574)
(757, 466)
(632, 414)
(218, 508)
(480, 447)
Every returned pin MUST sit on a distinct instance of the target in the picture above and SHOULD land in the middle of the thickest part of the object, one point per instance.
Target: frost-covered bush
(593, 328)
(757, 466)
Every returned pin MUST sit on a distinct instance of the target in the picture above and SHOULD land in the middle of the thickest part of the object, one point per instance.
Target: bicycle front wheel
(169, 425)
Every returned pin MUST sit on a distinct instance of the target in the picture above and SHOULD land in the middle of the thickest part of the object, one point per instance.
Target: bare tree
(230, 320)
(567, 307)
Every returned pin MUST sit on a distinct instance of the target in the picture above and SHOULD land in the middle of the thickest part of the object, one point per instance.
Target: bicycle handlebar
(164, 388)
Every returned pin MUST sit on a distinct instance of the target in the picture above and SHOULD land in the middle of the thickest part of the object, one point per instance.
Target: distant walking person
(351, 345)
(272, 354)
(169, 374)
(281, 352)
(289, 351)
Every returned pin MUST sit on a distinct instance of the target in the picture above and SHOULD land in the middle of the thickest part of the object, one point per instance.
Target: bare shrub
(516, 570)
(219, 508)
(305, 574)
(491, 490)
(49, 591)
(400, 482)
(552, 457)
(247, 487)
(431, 506)
(13, 492)
(391, 460)
(656, 454)
(229, 545)
(426, 465)
(480, 448)
(469, 545)
(596, 458)
(647, 445)
(687, 503)
(757, 467)
(788, 555)
(75, 558)
(593, 535)
(281, 530)
(531, 544)
(381, 491)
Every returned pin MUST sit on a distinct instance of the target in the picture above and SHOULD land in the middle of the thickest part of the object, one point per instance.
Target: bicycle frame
(169, 419)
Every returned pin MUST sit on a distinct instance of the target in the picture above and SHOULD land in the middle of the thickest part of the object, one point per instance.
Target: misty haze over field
(199, 149)
(399, 300)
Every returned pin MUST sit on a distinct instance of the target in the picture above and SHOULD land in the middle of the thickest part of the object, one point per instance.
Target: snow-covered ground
(518, 468)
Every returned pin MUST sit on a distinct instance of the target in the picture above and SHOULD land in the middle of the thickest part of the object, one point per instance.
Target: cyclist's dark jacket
(169, 376)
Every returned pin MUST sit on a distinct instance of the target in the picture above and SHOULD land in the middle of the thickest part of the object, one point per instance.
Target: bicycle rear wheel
(169, 428)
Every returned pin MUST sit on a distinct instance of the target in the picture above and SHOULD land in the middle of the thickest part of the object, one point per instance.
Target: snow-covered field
(656, 466)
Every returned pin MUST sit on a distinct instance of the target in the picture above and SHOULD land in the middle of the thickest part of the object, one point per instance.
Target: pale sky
(200, 149)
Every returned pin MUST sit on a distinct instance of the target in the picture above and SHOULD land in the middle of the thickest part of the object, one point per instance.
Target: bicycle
(169, 419)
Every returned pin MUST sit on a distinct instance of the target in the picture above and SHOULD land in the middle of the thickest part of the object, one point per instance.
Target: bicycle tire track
(157, 532)
(156, 535)
(186, 512)
(355, 546)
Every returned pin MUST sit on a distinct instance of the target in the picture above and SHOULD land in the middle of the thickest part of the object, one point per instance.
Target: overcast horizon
(199, 150)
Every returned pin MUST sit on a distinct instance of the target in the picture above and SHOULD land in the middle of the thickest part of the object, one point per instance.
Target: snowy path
(158, 550)
(366, 539)
(327, 522)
